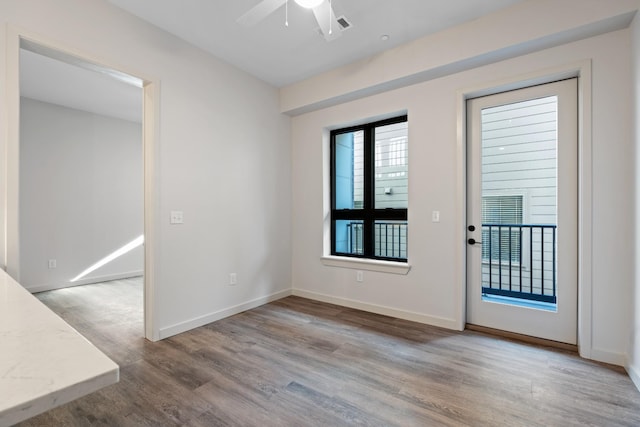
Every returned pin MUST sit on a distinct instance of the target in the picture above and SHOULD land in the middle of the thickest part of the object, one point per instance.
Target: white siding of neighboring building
(391, 169)
(358, 169)
(519, 158)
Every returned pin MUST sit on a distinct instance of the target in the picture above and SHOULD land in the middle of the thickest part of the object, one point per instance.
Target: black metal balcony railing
(519, 261)
(355, 236)
(390, 239)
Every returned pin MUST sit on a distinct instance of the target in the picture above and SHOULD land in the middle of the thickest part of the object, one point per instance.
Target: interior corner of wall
(633, 369)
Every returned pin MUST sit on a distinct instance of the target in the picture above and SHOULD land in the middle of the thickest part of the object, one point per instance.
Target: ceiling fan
(322, 10)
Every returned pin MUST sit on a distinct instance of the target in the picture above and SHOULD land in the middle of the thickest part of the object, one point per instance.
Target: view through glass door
(522, 211)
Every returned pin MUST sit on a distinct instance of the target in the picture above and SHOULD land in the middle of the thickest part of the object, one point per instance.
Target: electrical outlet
(53, 263)
(359, 276)
(176, 217)
(233, 279)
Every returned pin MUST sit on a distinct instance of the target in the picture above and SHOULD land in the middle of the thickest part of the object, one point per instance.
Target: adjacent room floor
(297, 362)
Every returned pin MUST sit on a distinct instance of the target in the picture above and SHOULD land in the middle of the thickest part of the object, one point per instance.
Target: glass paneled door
(522, 211)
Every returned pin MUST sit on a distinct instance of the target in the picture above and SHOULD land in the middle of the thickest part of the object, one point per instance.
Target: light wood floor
(297, 362)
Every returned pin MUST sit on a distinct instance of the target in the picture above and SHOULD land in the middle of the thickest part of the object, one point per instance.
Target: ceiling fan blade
(259, 12)
(322, 13)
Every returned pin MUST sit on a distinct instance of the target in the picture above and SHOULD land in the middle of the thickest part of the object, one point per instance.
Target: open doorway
(81, 175)
(65, 190)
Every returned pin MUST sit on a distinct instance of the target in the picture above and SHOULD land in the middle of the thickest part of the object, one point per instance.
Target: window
(369, 191)
(501, 217)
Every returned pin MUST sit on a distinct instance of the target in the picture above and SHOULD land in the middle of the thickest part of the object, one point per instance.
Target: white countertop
(44, 362)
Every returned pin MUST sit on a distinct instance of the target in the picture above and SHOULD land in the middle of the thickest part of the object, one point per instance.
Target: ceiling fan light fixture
(309, 4)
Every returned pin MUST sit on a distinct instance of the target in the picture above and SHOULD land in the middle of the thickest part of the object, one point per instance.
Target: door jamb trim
(9, 256)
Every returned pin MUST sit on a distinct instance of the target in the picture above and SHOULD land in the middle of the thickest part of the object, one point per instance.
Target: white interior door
(522, 211)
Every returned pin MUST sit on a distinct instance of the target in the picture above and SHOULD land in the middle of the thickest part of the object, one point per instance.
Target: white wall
(224, 158)
(430, 292)
(525, 27)
(633, 364)
(81, 195)
(223, 153)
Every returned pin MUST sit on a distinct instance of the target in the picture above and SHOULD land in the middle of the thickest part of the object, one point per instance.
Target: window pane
(391, 166)
(501, 243)
(349, 237)
(391, 239)
(349, 170)
(369, 184)
(502, 209)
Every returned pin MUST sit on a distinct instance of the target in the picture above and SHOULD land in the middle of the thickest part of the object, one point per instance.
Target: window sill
(367, 264)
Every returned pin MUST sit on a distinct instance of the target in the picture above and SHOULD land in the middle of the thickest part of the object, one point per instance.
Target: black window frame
(368, 214)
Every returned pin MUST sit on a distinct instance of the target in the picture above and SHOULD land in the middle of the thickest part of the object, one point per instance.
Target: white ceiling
(76, 86)
(283, 55)
(271, 51)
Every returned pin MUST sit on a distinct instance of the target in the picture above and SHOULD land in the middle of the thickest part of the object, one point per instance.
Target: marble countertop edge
(46, 402)
(44, 362)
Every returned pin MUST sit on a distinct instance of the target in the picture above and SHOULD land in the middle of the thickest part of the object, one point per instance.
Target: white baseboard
(221, 314)
(87, 281)
(379, 309)
(605, 356)
(634, 374)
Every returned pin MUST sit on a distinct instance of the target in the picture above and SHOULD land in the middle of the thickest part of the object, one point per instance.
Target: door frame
(581, 70)
(560, 323)
(10, 148)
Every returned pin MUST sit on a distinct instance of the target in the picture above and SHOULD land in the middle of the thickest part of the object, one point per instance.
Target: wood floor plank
(297, 362)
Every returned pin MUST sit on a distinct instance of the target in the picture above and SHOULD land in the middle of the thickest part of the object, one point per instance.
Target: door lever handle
(473, 242)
